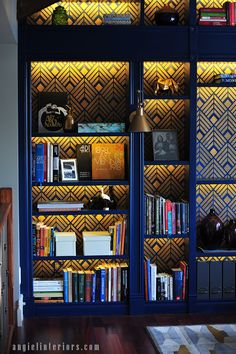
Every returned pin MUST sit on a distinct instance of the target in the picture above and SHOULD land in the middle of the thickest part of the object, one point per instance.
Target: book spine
(103, 285)
(84, 161)
(213, 18)
(173, 208)
(118, 283)
(39, 163)
(145, 281)
(93, 287)
(65, 286)
(75, 295)
(33, 162)
(178, 284)
(114, 287)
(81, 286)
(70, 285)
(34, 239)
(45, 162)
(153, 281)
(232, 16)
(149, 279)
(212, 23)
(157, 215)
(56, 163)
(88, 287)
(178, 222)
(118, 229)
(211, 9)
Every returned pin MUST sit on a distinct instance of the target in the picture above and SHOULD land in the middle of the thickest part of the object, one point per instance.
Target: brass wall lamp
(138, 119)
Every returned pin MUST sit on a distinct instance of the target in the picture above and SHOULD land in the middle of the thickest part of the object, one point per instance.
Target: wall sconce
(138, 119)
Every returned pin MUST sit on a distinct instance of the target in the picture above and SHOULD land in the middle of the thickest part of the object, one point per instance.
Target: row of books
(215, 16)
(117, 19)
(165, 286)
(45, 162)
(43, 240)
(107, 283)
(118, 237)
(165, 217)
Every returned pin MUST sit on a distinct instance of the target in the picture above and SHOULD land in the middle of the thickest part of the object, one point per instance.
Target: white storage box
(97, 243)
(65, 243)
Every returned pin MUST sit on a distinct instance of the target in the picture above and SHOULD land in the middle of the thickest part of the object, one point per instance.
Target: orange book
(108, 161)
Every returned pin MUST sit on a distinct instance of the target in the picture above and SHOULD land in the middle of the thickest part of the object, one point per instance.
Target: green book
(81, 279)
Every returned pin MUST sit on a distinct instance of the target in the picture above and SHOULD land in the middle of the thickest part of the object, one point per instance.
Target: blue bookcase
(83, 58)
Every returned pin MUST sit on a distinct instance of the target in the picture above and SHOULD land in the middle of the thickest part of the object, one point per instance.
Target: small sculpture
(69, 122)
(100, 201)
(59, 16)
(166, 85)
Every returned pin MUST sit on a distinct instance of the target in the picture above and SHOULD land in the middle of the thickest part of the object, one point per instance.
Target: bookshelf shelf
(71, 135)
(119, 182)
(36, 258)
(82, 212)
(167, 97)
(166, 162)
(167, 236)
(227, 84)
(216, 181)
(216, 253)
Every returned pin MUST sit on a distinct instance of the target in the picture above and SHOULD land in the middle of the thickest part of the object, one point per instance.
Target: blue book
(94, 287)
(169, 221)
(65, 286)
(52, 242)
(103, 285)
(118, 238)
(39, 163)
(149, 278)
(178, 278)
(183, 218)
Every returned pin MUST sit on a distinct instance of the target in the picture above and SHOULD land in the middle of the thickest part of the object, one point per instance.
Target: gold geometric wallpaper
(216, 132)
(97, 91)
(47, 269)
(207, 70)
(150, 7)
(178, 71)
(85, 12)
(221, 197)
(167, 180)
(164, 252)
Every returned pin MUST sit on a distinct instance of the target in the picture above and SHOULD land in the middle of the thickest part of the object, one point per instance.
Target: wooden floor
(114, 335)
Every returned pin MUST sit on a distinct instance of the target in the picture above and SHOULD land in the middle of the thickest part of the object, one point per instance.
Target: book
(84, 161)
(65, 285)
(101, 127)
(75, 288)
(88, 286)
(212, 23)
(56, 162)
(108, 161)
(39, 163)
(177, 274)
(60, 206)
(81, 284)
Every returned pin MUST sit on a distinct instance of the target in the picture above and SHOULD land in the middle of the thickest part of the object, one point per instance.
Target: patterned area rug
(197, 339)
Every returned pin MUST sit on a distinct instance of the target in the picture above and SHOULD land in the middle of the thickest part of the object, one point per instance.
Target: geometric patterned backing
(78, 224)
(209, 3)
(97, 91)
(216, 132)
(220, 197)
(74, 193)
(86, 12)
(54, 268)
(168, 114)
(217, 259)
(166, 253)
(178, 71)
(68, 144)
(167, 180)
(150, 7)
(207, 70)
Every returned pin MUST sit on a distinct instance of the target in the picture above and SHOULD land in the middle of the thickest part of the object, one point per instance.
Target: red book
(183, 266)
(45, 162)
(211, 9)
(168, 217)
(42, 240)
(88, 286)
(231, 14)
(212, 23)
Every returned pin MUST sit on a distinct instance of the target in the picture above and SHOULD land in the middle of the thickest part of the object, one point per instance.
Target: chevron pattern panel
(216, 132)
(74, 193)
(86, 12)
(209, 3)
(216, 259)
(178, 71)
(207, 70)
(47, 269)
(166, 253)
(78, 224)
(168, 114)
(68, 144)
(167, 180)
(150, 8)
(220, 197)
(97, 91)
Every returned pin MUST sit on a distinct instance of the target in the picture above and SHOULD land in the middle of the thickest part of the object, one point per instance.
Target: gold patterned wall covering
(207, 70)
(82, 193)
(220, 197)
(167, 180)
(168, 114)
(48, 269)
(97, 91)
(150, 8)
(78, 224)
(178, 71)
(86, 12)
(166, 253)
(216, 132)
(216, 259)
(207, 3)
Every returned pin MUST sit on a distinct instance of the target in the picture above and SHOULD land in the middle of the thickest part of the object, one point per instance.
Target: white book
(153, 269)
(171, 288)
(51, 162)
(109, 283)
(114, 285)
(48, 162)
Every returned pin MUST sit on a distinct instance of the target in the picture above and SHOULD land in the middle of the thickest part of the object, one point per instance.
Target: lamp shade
(138, 119)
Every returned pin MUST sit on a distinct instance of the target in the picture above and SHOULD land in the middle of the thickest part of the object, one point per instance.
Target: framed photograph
(165, 144)
(69, 170)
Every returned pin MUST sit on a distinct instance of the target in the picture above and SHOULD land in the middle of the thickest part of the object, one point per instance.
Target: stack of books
(45, 162)
(117, 19)
(59, 206)
(212, 16)
(165, 217)
(225, 78)
(165, 286)
(107, 283)
(48, 289)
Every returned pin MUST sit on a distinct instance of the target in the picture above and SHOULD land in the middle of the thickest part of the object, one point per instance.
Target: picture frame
(165, 144)
(69, 170)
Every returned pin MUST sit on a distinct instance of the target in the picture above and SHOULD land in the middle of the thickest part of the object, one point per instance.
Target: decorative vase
(211, 231)
(231, 235)
(167, 16)
(69, 121)
(59, 16)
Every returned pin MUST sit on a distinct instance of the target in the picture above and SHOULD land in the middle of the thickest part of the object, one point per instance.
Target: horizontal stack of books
(59, 206)
(224, 78)
(165, 286)
(43, 240)
(45, 162)
(212, 16)
(117, 19)
(48, 289)
(107, 283)
(165, 217)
